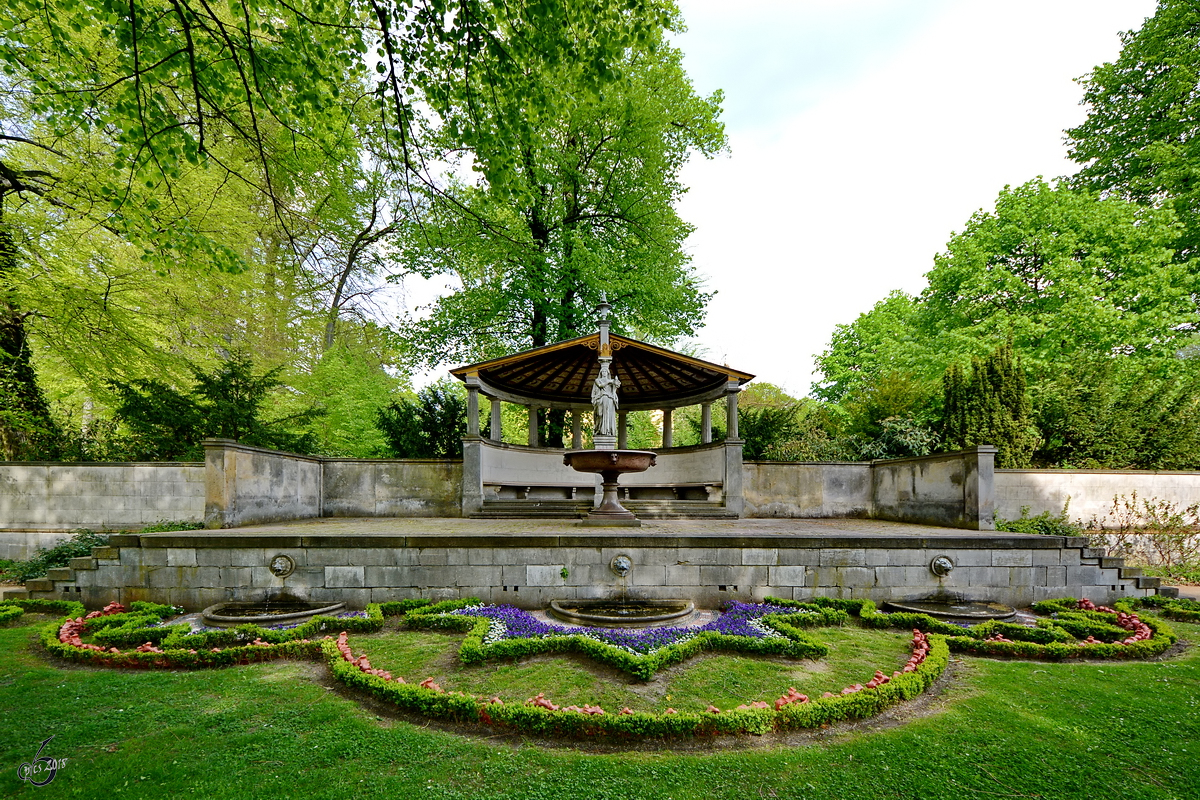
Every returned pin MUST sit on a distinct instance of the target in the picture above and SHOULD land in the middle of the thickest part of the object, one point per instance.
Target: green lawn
(1002, 729)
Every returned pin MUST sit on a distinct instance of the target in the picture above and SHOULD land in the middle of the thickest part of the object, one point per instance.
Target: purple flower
(739, 619)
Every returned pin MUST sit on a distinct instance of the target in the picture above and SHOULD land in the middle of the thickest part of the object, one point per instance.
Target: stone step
(14, 593)
(1111, 562)
(39, 585)
(1147, 582)
(60, 574)
(1128, 573)
(1168, 591)
(85, 562)
(1092, 552)
(106, 552)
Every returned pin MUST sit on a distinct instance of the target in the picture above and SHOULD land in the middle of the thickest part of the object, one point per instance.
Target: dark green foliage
(767, 429)
(1109, 413)
(228, 403)
(431, 427)
(1045, 523)
(989, 405)
(78, 545)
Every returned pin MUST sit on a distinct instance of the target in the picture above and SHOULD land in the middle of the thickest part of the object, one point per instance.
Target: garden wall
(1090, 491)
(198, 569)
(41, 501)
(392, 487)
(952, 490)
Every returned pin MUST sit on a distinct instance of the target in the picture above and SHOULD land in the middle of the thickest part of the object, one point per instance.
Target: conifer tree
(989, 405)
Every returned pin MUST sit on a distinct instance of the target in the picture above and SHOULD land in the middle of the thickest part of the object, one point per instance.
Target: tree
(285, 80)
(1119, 413)
(431, 427)
(990, 405)
(167, 424)
(25, 423)
(1061, 271)
(591, 210)
(1140, 139)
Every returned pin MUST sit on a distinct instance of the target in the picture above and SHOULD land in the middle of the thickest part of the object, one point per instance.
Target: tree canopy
(591, 209)
(1140, 137)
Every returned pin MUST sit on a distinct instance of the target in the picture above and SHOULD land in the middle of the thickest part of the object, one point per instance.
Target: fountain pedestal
(610, 465)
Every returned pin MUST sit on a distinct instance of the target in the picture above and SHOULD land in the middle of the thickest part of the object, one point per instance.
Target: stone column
(667, 436)
(705, 423)
(576, 429)
(731, 410)
(622, 430)
(979, 487)
(472, 410)
(497, 424)
(472, 472)
(533, 426)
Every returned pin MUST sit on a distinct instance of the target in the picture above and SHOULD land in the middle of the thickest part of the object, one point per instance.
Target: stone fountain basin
(621, 613)
(600, 461)
(265, 612)
(963, 611)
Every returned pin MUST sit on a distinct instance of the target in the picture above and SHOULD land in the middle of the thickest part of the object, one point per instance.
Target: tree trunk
(26, 429)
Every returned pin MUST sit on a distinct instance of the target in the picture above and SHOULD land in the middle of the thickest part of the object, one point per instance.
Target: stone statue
(604, 401)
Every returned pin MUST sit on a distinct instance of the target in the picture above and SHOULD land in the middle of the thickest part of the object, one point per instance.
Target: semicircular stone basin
(266, 613)
(622, 613)
(954, 610)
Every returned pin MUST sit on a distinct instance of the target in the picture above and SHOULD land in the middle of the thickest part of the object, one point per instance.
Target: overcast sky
(862, 134)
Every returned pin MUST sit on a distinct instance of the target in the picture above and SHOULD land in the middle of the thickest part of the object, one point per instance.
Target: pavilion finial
(602, 310)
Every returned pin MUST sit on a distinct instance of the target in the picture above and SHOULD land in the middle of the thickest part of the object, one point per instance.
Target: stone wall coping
(970, 451)
(691, 448)
(602, 540)
(230, 444)
(69, 464)
(328, 460)
(810, 463)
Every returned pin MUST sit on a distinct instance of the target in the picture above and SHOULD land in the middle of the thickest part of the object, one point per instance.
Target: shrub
(79, 544)
(1046, 524)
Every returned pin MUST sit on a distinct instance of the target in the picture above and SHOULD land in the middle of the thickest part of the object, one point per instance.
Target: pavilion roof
(560, 375)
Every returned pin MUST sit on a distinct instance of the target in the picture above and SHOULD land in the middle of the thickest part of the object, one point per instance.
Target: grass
(1007, 729)
(724, 680)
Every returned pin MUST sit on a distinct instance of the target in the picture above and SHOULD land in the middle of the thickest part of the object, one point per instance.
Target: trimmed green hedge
(539, 721)
(792, 641)
(1053, 638)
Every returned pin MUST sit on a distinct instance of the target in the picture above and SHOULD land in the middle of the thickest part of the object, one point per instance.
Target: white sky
(862, 134)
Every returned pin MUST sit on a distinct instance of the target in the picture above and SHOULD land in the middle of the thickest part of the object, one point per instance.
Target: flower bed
(540, 716)
(499, 632)
(502, 632)
(1110, 632)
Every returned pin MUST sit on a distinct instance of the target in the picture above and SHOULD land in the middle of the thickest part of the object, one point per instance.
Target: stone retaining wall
(197, 570)
(1088, 493)
(45, 497)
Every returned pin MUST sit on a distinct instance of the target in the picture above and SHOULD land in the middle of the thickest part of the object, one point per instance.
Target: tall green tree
(1141, 138)
(1062, 271)
(591, 209)
(989, 404)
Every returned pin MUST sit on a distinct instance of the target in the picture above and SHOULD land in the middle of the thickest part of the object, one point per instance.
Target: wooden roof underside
(561, 375)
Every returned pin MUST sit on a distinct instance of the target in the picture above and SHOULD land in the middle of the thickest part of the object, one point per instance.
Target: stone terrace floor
(823, 528)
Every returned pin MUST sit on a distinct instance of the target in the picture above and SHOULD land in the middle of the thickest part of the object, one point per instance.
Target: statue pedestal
(604, 443)
(610, 465)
